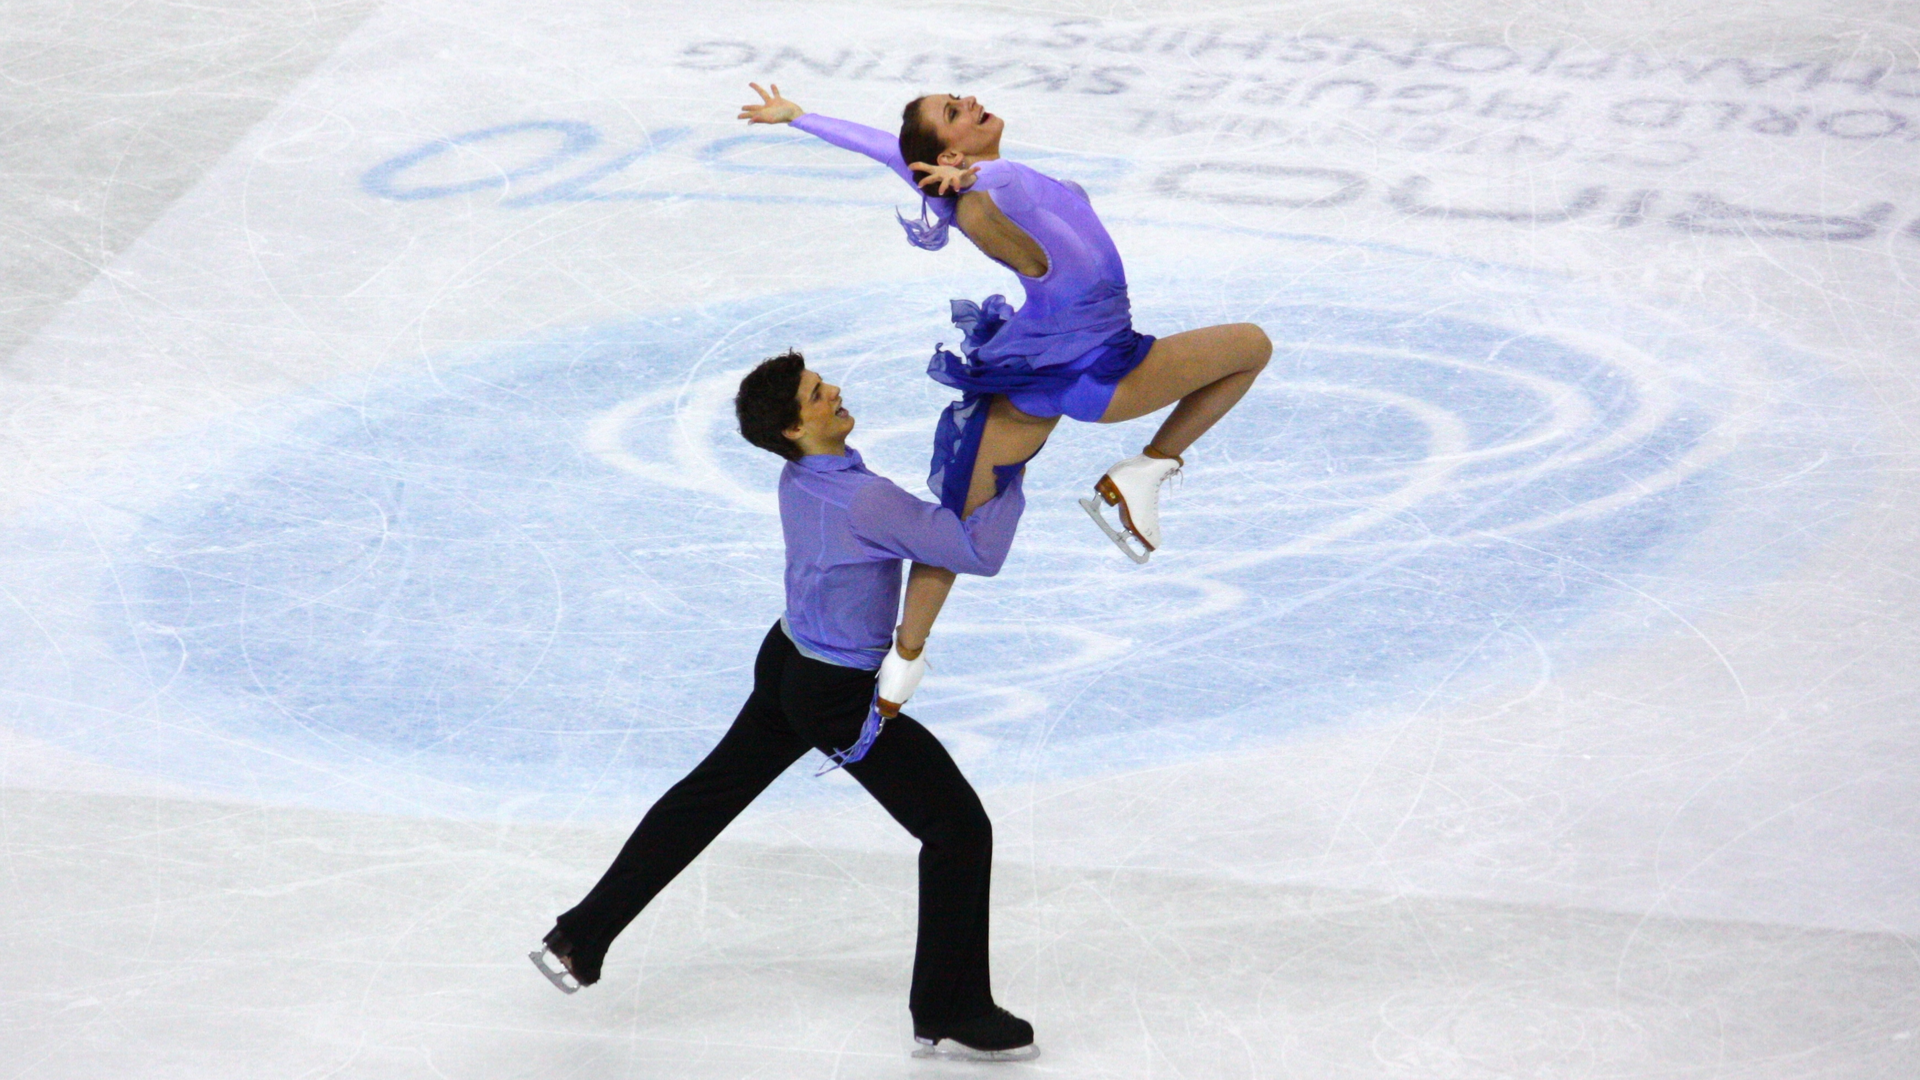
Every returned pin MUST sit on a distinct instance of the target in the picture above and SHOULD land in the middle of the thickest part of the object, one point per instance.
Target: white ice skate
(899, 678)
(1134, 486)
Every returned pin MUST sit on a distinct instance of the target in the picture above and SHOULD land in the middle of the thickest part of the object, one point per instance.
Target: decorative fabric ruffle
(956, 443)
(956, 437)
(978, 371)
(870, 729)
(930, 232)
(981, 323)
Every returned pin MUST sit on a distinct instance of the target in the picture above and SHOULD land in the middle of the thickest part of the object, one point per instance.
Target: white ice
(1527, 687)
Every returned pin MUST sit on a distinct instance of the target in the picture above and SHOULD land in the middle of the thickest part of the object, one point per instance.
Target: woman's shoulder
(1004, 170)
(1012, 184)
(1032, 183)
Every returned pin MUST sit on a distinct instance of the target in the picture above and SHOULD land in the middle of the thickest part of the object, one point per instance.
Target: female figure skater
(1070, 350)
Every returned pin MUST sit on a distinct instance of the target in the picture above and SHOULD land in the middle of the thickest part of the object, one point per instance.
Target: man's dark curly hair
(769, 403)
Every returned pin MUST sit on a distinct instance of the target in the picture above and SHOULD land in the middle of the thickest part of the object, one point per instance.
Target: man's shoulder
(877, 501)
(839, 488)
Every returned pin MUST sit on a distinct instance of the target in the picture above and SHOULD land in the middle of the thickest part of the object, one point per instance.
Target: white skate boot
(1134, 486)
(899, 678)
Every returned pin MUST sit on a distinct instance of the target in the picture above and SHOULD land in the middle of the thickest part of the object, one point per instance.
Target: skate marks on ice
(347, 946)
(529, 583)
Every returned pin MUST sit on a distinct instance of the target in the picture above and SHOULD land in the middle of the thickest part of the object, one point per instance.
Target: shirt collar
(832, 462)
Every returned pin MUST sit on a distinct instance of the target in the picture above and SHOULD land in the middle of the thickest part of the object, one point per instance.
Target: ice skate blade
(561, 979)
(948, 1050)
(1092, 507)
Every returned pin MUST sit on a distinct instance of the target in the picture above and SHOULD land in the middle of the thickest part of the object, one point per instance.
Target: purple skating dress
(1062, 352)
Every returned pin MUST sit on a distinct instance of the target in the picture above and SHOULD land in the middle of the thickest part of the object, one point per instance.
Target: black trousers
(798, 704)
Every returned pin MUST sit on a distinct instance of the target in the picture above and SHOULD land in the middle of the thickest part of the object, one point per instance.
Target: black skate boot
(580, 970)
(995, 1036)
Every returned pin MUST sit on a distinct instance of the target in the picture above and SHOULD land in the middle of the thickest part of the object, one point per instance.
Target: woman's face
(962, 125)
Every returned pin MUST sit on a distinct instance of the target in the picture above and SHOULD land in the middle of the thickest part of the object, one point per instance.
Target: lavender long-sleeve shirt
(1080, 301)
(847, 530)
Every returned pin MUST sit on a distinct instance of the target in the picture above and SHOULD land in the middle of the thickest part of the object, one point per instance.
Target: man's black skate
(995, 1036)
(584, 970)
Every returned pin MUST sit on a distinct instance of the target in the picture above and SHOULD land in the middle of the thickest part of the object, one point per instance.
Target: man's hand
(773, 109)
(951, 181)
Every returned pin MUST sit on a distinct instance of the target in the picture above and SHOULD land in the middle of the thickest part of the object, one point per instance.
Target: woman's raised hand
(773, 109)
(951, 181)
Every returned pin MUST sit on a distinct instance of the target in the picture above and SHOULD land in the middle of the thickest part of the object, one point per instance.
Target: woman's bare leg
(1010, 436)
(927, 588)
(1207, 371)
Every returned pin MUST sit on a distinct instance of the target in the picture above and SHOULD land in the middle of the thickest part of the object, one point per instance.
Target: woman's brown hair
(917, 139)
(919, 143)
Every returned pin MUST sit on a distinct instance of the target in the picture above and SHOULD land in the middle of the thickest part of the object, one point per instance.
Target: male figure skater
(814, 686)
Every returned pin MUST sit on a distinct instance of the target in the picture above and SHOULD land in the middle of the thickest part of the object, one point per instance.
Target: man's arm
(888, 522)
(893, 524)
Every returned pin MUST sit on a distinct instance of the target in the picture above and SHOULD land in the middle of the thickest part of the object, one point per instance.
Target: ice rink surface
(1527, 687)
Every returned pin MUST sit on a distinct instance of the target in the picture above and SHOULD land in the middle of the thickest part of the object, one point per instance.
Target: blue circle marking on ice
(575, 138)
(538, 577)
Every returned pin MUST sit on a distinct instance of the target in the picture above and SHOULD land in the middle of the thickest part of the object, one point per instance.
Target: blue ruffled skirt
(1080, 388)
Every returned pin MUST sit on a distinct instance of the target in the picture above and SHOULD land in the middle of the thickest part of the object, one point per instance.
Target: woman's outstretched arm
(845, 134)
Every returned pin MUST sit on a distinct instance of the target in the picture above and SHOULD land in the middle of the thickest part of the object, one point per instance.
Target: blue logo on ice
(541, 575)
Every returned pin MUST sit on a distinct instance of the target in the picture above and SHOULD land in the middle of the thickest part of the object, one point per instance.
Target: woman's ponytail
(919, 143)
(930, 232)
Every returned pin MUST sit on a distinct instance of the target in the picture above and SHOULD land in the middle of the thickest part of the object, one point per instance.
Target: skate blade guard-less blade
(949, 1050)
(559, 978)
(1120, 539)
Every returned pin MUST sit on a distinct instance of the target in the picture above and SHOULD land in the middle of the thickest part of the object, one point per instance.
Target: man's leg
(912, 776)
(915, 779)
(755, 750)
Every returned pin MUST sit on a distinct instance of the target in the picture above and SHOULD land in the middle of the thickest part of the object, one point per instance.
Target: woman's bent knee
(1257, 344)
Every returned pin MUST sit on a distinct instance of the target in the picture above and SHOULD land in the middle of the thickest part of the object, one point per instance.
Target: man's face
(824, 422)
